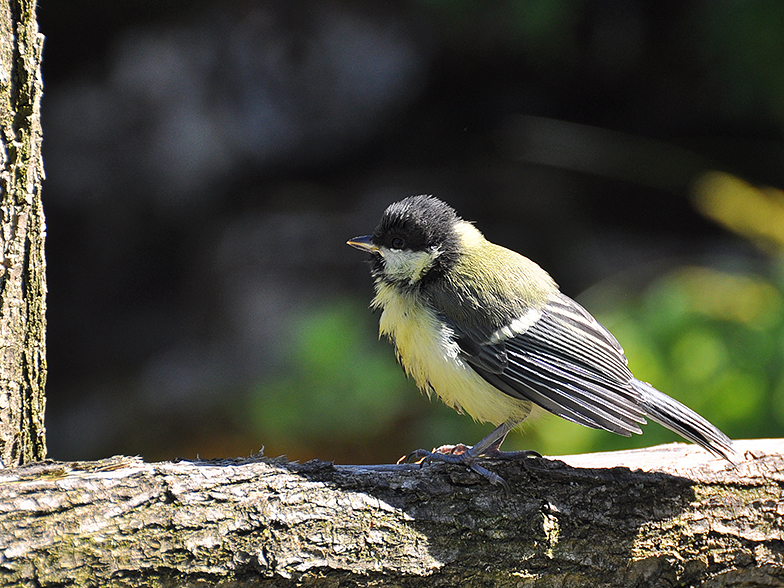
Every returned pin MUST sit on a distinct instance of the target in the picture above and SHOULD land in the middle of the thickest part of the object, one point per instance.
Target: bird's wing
(562, 359)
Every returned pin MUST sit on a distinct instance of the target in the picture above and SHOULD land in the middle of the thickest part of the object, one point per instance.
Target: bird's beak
(363, 243)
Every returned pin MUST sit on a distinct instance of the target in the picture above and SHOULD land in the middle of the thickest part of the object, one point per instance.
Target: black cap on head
(417, 223)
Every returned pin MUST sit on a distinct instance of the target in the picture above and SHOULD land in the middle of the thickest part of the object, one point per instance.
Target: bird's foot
(465, 455)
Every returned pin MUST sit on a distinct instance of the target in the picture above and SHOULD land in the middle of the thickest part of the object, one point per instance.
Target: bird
(489, 332)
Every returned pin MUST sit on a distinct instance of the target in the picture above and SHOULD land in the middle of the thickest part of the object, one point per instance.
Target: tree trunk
(22, 271)
(669, 516)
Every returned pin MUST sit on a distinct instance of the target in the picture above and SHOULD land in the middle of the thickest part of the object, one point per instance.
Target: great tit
(488, 331)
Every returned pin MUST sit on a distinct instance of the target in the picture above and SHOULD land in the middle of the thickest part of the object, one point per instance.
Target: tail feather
(679, 418)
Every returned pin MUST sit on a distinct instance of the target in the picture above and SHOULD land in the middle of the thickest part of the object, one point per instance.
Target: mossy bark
(669, 516)
(22, 267)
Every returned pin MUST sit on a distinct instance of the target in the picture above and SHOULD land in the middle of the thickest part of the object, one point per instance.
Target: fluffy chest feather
(428, 353)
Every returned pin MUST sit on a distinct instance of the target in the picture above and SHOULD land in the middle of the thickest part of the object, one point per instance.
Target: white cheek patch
(517, 327)
(404, 265)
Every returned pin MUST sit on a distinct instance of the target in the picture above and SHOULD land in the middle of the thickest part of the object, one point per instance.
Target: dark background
(206, 162)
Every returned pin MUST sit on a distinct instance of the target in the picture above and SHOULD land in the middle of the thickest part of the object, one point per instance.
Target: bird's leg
(492, 442)
(467, 456)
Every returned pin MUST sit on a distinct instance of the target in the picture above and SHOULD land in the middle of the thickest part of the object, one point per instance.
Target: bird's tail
(679, 418)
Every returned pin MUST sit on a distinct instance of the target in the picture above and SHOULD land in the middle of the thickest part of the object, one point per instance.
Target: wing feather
(565, 362)
(570, 365)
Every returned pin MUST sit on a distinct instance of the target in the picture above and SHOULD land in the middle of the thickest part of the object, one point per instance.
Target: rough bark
(669, 516)
(22, 229)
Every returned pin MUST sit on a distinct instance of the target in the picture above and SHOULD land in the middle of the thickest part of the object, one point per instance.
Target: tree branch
(671, 515)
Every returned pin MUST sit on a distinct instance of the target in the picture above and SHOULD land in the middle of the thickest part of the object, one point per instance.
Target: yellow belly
(429, 355)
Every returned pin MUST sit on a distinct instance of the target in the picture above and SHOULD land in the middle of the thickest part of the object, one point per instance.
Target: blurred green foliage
(710, 339)
(336, 386)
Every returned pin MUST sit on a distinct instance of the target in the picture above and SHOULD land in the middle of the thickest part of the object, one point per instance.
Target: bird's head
(415, 242)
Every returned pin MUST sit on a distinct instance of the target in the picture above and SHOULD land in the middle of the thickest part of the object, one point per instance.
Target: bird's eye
(398, 243)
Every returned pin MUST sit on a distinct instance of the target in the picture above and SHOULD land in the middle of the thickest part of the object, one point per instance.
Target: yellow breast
(428, 353)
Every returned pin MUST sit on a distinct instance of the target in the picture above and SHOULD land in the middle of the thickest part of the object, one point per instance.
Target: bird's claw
(419, 455)
(463, 455)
